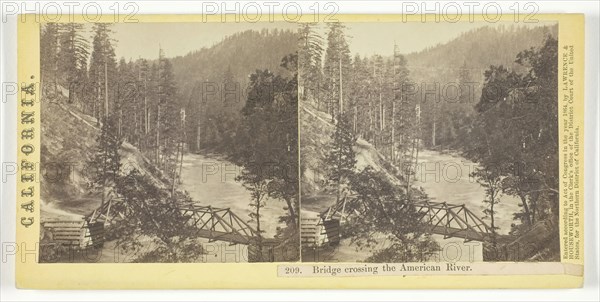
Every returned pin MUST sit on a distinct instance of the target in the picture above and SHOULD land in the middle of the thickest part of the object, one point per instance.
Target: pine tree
(143, 85)
(310, 72)
(107, 161)
(336, 68)
(489, 179)
(520, 111)
(127, 107)
(168, 121)
(253, 152)
(73, 58)
(103, 70)
(267, 141)
(383, 208)
(284, 138)
(341, 159)
(379, 83)
(49, 48)
(359, 93)
(229, 89)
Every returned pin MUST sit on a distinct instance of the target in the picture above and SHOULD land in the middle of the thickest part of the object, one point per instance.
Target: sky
(379, 38)
(177, 39)
(142, 40)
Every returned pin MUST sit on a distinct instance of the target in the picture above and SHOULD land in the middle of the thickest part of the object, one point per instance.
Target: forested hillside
(441, 69)
(481, 47)
(213, 81)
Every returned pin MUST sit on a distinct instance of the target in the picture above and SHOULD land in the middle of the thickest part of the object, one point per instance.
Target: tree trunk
(392, 155)
(533, 207)
(355, 117)
(174, 176)
(120, 131)
(370, 120)
(292, 211)
(341, 108)
(157, 134)
(105, 88)
(526, 209)
(146, 111)
(181, 162)
(257, 212)
(97, 103)
(198, 137)
(492, 225)
(381, 125)
(433, 134)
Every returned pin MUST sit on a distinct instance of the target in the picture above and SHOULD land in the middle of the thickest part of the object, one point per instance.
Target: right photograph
(426, 142)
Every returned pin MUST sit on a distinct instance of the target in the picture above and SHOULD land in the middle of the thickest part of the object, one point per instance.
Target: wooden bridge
(449, 220)
(214, 224)
(221, 224)
(452, 221)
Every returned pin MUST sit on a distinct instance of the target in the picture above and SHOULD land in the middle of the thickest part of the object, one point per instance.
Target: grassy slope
(315, 137)
(68, 144)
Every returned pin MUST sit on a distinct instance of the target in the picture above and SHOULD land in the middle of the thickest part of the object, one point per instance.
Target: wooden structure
(78, 234)
(313, 231)
(449, 220)
(323, 228)
(452, 221)
(214, 224)
(221, 224)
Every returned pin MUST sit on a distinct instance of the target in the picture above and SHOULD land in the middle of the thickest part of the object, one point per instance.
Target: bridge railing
(449, 220)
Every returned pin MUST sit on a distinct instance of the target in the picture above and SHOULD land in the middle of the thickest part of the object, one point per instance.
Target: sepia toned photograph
(169, 142)
(325, 151)
(429, 142)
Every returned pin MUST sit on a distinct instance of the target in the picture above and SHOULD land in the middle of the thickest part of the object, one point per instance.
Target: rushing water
(445, 177)
(210, 181)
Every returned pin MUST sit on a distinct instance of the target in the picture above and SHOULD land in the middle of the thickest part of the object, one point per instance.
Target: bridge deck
(449, 220)
(215, 224)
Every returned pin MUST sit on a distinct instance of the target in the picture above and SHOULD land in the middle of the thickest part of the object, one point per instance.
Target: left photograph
(169, 142)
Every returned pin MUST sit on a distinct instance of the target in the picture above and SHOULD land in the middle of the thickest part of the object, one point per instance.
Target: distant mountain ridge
(477, 50)
(240, 54)
(212, 81)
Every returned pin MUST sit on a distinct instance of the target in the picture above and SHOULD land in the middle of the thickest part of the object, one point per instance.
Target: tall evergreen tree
(102, 73)
(490, 179)
(49, 49)
(107, 161)
(73, 58)
(143, 76)
(127, 105)
(403, 124)
(341, 159)
(520, 110)
(336, 68)
(383, 208)
(310, 55)
(267, 141)
(168, 113)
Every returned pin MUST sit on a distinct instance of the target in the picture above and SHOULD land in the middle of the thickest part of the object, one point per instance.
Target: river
(210, 181)
(445, 177)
